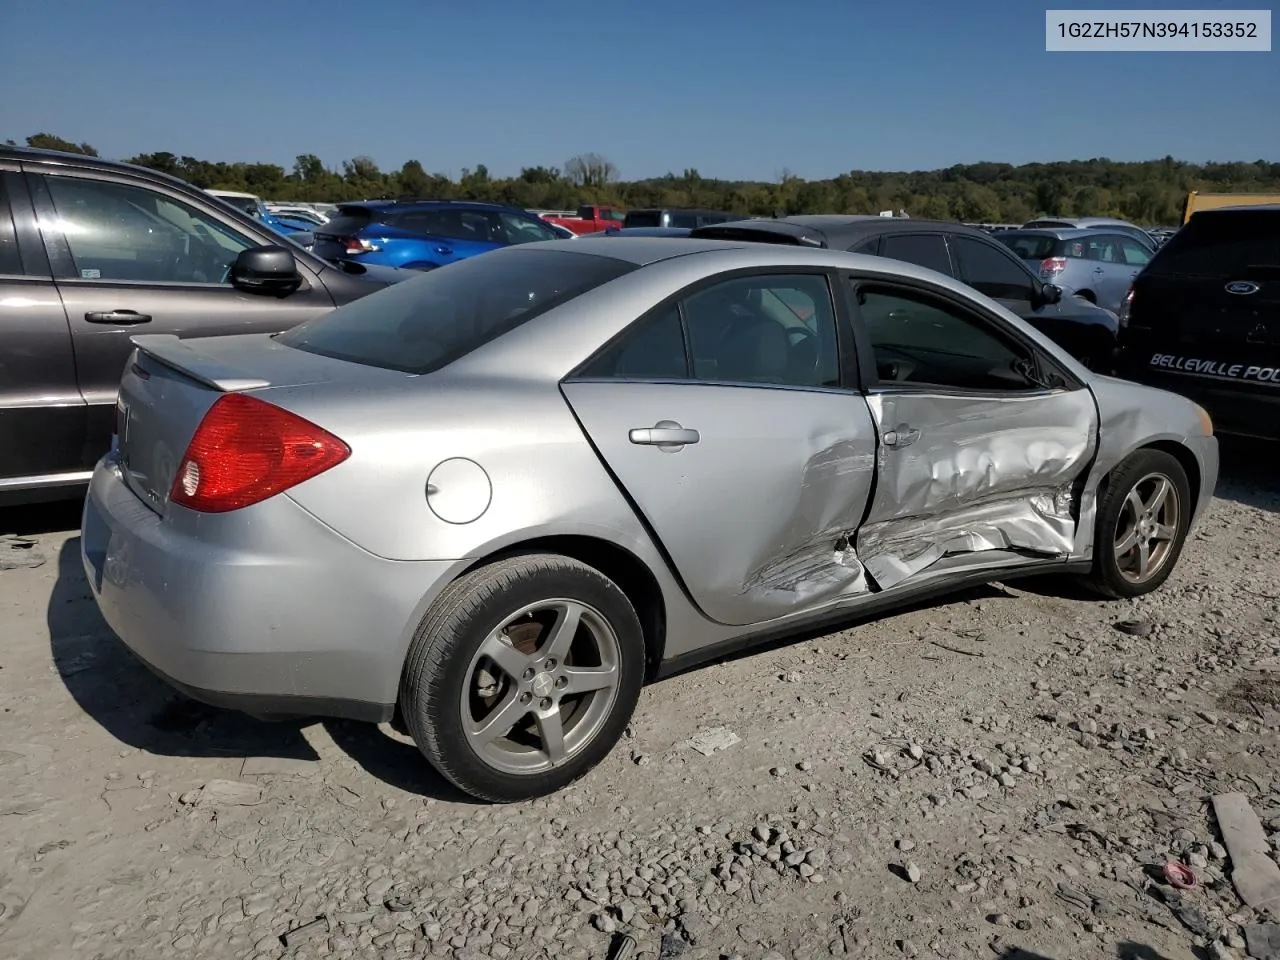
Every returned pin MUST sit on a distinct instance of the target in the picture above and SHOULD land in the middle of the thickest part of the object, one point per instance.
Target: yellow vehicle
(1211, 201)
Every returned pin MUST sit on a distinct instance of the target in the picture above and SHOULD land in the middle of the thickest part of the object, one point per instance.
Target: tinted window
(120, 232)
(916, 339)
(1223, 244)
(643, 218)
(524, 230)
(867, 246)
(10, 261)
(1031, 246)
(1135, 254)
(349, 221)
(921, 249)
(764, 329)
(989, 270)
(423, 324)
(653, 350)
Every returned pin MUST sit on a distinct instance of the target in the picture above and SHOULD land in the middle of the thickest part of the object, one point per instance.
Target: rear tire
(522, 676)
(1141, 525)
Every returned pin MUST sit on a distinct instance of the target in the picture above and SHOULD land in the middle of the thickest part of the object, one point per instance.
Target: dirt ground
(1004, 774)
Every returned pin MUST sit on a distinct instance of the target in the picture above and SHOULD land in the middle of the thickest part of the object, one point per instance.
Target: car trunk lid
(169, 385)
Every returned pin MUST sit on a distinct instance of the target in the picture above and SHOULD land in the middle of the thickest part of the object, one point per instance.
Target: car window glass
(10, 261)
(917, 339)
(985, 267)
(652, 350)
(764, 329)
(524, 230)
(121, 232)
(423, 324)
(1135, 254)
(867, 246)
(921, 249)
(1032, 246)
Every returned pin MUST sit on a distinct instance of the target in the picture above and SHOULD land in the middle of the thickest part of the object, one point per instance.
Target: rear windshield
(421, 325)
(348, 220)
(643, 218)
(1222, 245)
(1031, 246)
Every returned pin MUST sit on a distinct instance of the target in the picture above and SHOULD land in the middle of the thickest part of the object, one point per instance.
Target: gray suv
(1096, 264)
(92, 252)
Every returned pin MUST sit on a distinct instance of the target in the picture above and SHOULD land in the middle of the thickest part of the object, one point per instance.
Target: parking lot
(1000, 774)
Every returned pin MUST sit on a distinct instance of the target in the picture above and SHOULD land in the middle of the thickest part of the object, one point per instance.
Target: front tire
(1141, 525)
(522, 676)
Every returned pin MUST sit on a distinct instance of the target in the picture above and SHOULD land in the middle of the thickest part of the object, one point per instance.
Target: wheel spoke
(1159, 495)
(1162, 532)
(1127, 543)
(510, 660)
(1134, 503)
(563, 631)
(499, 721)
(586, 679)
(551, 730)
(1144, 557)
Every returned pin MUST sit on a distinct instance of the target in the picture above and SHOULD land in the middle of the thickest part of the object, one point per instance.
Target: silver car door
(724, 417)
(977, 459)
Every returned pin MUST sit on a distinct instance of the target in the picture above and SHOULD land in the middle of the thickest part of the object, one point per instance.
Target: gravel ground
(1002, 774)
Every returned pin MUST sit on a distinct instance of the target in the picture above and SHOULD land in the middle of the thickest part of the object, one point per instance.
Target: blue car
(250, 203)
(424, 234)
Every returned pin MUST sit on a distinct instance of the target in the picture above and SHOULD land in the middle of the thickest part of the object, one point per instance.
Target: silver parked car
(1093, 264)
(490, 502)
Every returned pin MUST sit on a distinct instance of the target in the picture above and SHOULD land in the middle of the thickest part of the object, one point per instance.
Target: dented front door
(976, 456)
(752, 491)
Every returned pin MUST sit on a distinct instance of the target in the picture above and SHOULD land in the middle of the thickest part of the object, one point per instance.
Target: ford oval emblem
(1242, 287)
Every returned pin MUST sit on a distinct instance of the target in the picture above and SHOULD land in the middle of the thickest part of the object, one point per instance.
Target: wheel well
(618, 564)
(1186, 459)
(1087, 295)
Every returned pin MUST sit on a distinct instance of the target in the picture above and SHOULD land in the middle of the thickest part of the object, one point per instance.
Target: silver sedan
(488, 503)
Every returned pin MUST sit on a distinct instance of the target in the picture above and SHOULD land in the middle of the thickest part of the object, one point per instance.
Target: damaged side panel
(978, 474)
(757, 513)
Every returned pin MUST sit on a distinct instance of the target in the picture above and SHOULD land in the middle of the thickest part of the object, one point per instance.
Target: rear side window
(423, 324)
(643, 218)
(349, 220)
(1222, 245)
(1036, 247)
(10, 261)
(924, 250)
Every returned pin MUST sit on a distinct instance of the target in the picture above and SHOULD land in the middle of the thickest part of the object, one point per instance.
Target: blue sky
(733, 88)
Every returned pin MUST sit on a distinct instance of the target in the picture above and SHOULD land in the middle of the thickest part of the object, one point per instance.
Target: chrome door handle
(664, 433)
(121, 318)
(901, 438)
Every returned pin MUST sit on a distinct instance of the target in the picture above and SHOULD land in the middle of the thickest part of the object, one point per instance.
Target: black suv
(969, 255)
(92, 252)
(1203, 319)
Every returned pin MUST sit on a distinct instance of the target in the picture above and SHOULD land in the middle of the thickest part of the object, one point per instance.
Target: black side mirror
(269, 270)
(1050, 293)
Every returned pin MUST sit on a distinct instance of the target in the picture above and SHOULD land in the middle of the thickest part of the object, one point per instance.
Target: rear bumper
(267, 610)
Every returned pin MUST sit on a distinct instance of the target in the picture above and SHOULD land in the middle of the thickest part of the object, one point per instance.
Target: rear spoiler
(176, 354)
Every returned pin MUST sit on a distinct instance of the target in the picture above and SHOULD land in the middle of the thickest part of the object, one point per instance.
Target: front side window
(990, 271)
(420, 325)
(524, 230)
(772, 329)
(10, 260)
(118, 231)
(925, 250)
(917, 339)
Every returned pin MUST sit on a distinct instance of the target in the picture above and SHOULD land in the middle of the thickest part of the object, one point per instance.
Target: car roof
(840, 231)
(1241, 208)
(66, 158)
(1062, 233)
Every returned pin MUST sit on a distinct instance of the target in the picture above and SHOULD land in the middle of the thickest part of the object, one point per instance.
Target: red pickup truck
(589, 219)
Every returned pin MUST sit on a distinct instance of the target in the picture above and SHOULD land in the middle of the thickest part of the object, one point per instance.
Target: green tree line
(1148, 192)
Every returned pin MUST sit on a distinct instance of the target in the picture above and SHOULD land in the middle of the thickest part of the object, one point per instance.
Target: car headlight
(1206, 421)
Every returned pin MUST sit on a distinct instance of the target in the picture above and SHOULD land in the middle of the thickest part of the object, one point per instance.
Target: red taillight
(356, 245)
(1052, 266)
(1128, 297)
(246, 450)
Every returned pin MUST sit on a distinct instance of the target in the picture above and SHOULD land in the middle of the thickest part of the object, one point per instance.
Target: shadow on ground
(1248, 473)
(1124, 951)
(142, 711)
